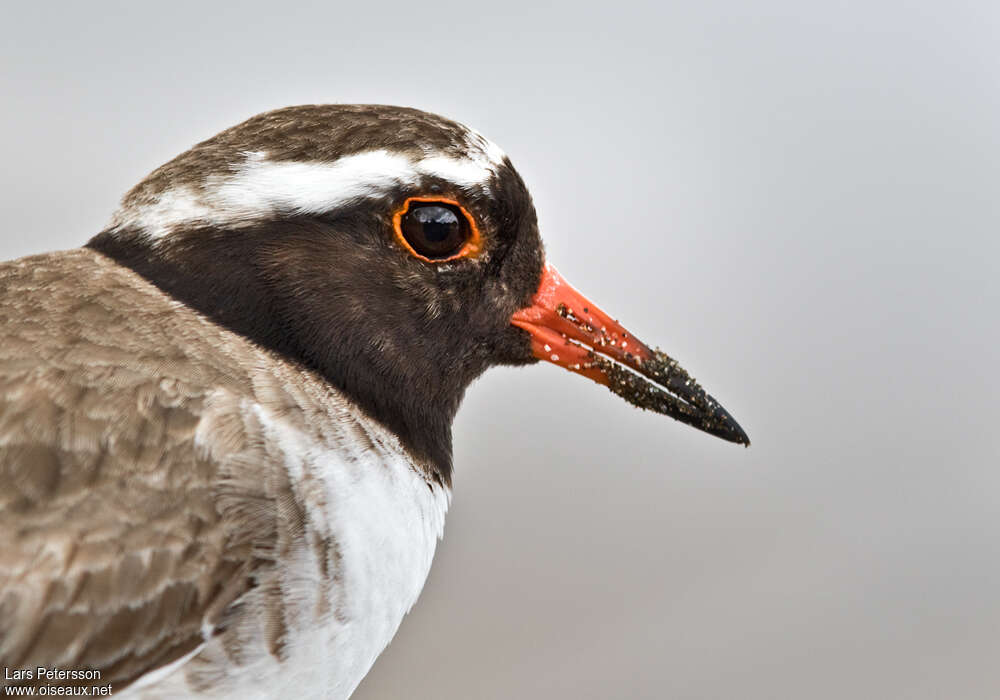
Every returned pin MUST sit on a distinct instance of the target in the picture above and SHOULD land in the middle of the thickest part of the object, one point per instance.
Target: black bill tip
(665, 387)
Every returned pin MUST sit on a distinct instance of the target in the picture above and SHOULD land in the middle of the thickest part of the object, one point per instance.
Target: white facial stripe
(477, 143)
(261, 188)
(461, 171)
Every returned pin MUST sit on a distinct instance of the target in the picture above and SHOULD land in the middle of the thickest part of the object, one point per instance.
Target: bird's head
(392, 251)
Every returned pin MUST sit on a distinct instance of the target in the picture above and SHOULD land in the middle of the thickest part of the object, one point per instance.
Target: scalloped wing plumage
(120, 435)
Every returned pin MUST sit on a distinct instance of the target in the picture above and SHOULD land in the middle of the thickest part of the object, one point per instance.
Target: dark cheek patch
(338, 294)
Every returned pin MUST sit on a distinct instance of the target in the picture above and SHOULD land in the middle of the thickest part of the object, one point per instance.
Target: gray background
(797, 200)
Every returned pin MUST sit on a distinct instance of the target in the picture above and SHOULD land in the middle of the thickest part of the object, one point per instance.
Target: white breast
(363, 493)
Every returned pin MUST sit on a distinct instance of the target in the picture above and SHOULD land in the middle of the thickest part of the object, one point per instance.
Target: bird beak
(570, 331)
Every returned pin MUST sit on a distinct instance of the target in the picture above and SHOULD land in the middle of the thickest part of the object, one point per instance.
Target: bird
(226, 419)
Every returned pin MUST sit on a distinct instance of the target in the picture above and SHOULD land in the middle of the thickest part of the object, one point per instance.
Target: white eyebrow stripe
(490, 152)
(261, 188)
(462, 171)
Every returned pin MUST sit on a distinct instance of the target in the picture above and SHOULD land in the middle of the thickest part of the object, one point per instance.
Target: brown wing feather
(122, 534)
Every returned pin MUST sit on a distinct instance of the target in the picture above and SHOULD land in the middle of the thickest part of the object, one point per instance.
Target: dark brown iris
(436, 231)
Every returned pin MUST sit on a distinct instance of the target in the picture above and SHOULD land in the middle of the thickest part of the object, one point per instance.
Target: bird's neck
(220, 275)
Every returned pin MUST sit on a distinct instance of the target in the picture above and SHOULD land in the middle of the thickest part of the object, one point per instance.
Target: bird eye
(436, 230)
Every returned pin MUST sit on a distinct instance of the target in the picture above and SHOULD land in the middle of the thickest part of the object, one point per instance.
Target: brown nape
(401, 337)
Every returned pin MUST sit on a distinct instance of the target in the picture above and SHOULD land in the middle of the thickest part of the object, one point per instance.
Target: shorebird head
(392, 251)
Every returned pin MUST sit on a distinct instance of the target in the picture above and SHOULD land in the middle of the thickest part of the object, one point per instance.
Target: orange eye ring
(472, 247)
